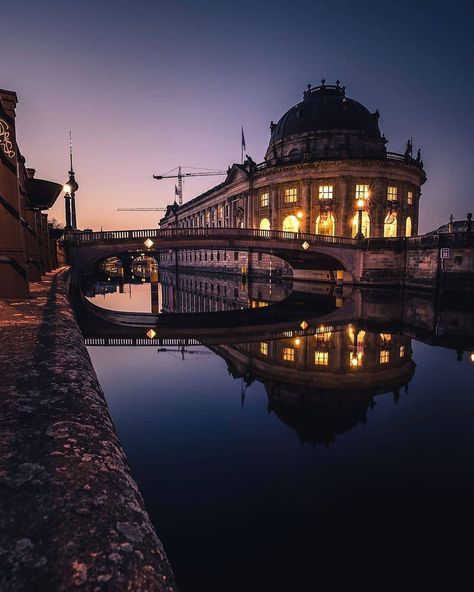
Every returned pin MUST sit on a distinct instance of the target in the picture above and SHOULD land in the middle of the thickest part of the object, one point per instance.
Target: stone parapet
(72, 517)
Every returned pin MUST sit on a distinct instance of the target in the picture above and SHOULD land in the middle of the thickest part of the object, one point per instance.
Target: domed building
(326, 161)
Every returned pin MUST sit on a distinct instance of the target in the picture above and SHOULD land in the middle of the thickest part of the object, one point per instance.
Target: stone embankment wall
(71, 515)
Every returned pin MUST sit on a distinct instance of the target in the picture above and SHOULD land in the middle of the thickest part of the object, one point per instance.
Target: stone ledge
(71, 515)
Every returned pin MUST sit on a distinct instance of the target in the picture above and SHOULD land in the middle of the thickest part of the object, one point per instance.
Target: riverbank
(71, 515)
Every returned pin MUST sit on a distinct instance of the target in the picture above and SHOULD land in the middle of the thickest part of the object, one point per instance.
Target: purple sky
(147, 85)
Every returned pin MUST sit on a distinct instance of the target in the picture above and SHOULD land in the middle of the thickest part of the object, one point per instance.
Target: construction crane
(141, 209)
(181, 175)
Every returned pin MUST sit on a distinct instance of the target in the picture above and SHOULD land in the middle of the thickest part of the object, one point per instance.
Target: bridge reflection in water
(321, 354)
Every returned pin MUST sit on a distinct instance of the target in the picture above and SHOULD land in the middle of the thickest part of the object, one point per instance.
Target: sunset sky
(148, 85)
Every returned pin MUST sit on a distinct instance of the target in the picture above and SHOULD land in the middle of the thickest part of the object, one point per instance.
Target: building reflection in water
(322, 385)
(320, 380)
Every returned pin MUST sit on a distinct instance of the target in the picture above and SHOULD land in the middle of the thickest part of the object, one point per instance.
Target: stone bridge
(375, 261)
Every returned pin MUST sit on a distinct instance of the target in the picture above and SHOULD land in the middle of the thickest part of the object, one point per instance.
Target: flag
(244, 147)
(176, 192)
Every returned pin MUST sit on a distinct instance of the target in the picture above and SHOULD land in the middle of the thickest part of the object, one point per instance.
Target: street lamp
(360, 208)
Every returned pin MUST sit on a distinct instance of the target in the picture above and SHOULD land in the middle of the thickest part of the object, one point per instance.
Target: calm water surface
(263, 470)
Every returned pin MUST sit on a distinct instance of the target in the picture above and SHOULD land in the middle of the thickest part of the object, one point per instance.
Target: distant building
(325, 161)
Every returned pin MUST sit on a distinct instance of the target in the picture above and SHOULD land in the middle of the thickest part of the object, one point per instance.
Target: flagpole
(242, 146)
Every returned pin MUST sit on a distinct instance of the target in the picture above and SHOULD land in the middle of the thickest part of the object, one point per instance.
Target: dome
(325, 109)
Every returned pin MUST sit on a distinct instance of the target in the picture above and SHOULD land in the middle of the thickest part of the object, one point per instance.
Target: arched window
(264, 224)
(365, 224)
(408, 226)
(325, 224)
(291, 224)
(390, 225)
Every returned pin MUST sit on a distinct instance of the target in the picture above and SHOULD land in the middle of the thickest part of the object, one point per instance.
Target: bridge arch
(302, 251)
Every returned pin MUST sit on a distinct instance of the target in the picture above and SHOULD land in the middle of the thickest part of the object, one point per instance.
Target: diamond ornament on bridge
(305, 245)
(148, 243)
(304, 325)
(151, 334)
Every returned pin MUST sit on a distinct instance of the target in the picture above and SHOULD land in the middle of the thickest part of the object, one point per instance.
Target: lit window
(291, 195)
(402, 351)
(264, 224)
(391, 193)
(410, 198)
(362, 192)
(321, 358)
(326, 191)
(384, 356)
(289, 354)
(325, 224)
(408, 228)
(264, 199)
(264, 348)
(386, 337)
(390, 225)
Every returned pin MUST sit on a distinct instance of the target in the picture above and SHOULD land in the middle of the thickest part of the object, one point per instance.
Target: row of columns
(343, 207)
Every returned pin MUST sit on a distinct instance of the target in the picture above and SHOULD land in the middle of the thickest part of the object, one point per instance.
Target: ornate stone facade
(325, 163)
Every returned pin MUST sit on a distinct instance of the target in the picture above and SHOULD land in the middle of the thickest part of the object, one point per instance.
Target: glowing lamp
(472, 357)
(67, 188)
(297, 341)
(299, 215)
(360, 203)
(354, 361)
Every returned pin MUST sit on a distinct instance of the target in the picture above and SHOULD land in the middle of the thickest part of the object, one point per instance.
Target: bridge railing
(166, 234)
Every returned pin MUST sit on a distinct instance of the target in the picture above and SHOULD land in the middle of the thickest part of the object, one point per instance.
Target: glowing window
(402, 351)
(264, 348)
(392, 193)
(291, 195)
(325, 224)
(291, 224)
(288, 354)
(326, 191)
(365, 224)
(362, 192)
(408, 226)
(410, 198)
(390, 225)
(384, 356)
(264, 199)
(264, 224)
(321, 358)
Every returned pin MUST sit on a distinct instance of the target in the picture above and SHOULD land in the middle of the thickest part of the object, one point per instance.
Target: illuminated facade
(326, 171)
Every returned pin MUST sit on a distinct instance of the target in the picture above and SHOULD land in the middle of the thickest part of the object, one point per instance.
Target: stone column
(274, 207)
(13, 267)
(34, 268)
(45, 235)
(346, 207)
(306, 223)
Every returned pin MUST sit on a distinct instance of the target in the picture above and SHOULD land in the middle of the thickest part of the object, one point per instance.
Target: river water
(288, 438)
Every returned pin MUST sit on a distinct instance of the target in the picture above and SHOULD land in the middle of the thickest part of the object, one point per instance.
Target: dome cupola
(326, 124)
